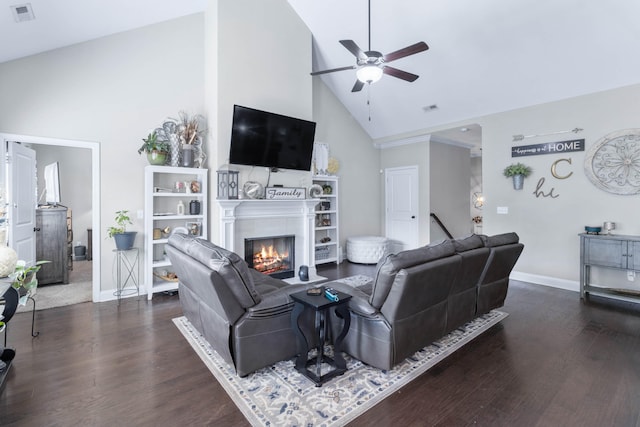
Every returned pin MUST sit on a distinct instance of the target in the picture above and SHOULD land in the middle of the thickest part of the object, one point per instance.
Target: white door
(21, 168)
(401, 202)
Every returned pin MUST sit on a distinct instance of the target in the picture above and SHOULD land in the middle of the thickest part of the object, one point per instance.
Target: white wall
(112, 90)
(75, 183)
(262, 60)
(450, 170)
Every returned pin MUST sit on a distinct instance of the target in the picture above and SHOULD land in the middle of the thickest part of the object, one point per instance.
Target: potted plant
(518, 172)
(124, 239)
(157, 151)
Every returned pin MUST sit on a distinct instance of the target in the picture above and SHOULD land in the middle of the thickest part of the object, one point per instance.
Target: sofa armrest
(276, 302)
(359, 302)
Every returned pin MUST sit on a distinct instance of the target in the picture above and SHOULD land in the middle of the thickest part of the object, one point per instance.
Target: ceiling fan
(370, 65)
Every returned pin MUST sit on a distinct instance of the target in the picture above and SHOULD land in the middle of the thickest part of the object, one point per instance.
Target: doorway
(401, 206)
(94, 148)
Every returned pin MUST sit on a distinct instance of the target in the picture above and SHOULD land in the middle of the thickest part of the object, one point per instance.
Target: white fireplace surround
(250, 218)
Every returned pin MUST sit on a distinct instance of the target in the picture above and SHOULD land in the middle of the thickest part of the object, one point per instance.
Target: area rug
(280, 396)
(51, 296)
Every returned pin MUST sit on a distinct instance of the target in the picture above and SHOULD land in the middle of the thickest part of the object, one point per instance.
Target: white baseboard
(569, 285)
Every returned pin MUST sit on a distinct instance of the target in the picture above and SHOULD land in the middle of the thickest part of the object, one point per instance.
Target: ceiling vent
(429, 108)
(22, 12)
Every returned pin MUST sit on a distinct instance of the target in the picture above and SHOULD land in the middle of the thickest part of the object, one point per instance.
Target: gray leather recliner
(420, 295)
(243, 314)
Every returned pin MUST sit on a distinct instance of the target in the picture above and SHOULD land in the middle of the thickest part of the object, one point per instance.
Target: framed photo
(194, 186)
(194, 228)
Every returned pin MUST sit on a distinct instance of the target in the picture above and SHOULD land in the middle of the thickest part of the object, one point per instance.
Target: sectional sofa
(416, 297)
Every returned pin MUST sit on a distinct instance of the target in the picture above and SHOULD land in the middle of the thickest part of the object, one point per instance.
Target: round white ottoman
(366, 249)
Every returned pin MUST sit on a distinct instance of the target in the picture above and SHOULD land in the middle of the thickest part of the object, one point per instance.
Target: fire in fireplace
(274, 256)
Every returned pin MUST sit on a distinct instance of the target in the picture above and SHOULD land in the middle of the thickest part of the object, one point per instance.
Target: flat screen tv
(261, 138)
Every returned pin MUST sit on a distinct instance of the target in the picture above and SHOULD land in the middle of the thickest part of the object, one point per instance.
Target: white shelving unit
(160, 211)
(327, 238)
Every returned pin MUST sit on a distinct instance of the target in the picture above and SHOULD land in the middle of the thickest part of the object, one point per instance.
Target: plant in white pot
(518, 172)
(124, 239)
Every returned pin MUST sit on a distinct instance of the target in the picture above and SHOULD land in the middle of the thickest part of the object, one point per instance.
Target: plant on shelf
(157, 151)
(518, 172)
(123, 238)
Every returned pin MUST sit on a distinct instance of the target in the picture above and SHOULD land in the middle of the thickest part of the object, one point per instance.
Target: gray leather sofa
(418, 296)
(243, 314)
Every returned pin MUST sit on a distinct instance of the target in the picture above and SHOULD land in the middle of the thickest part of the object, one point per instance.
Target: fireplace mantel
(278, 215)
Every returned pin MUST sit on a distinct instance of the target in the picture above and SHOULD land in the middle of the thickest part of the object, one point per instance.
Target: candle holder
(609, 226)
(228, 184)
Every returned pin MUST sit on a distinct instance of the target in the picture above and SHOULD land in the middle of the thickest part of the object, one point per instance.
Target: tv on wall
(261, 138)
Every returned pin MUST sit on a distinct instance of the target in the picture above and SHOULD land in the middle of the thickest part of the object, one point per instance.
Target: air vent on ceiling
(429, 108)
(22, 12)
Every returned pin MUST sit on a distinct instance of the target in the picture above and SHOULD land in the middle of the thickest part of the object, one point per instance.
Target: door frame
(387, 191)
(95, 194)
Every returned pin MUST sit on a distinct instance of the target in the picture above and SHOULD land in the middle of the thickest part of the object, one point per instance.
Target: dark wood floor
(553, 362)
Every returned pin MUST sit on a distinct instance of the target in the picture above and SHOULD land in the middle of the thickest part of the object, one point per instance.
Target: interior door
(21, 166)
(401, 202)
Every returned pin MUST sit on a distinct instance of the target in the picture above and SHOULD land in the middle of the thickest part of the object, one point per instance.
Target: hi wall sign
(548, 148)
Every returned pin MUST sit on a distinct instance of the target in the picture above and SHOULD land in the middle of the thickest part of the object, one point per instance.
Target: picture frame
(194, 228)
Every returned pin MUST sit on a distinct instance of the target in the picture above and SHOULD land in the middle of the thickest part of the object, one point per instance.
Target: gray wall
(450, 170)
(360, 185)
(549, 227)
(112, 90)
(417, 154)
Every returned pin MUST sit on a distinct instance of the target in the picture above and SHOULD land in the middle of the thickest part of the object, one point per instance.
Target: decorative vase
(518, 181)
(8, 261)
(157, 157)
(124, 241)
(194, 207)
(303, 273)
(174, 143)
(187, 155)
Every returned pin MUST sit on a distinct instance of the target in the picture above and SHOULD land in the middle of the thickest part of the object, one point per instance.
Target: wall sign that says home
(286, 193)
(548, 148)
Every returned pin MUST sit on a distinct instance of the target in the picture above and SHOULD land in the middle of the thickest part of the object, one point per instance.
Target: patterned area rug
(280, 396)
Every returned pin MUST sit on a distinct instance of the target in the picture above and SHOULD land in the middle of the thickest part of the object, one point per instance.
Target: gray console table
(609, 251)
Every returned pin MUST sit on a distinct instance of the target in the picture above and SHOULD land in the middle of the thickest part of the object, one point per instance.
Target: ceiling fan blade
(354, 49)
(333, 70)
(400, 74)
(358, 86)
(409, 50)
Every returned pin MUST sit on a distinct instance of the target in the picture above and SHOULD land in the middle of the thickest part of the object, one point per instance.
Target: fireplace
(274, 256)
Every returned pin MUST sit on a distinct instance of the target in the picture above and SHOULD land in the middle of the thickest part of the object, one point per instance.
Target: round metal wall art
(613, 162)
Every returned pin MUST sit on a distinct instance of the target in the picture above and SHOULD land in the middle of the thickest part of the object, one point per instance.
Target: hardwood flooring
(555, 361)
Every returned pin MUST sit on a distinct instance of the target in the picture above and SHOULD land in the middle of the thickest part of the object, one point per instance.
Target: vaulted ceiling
(484, 56)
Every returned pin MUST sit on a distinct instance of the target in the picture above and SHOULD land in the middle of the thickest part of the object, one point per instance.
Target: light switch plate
(503, 210)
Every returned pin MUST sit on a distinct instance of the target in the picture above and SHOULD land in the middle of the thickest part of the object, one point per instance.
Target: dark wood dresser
(54, 243)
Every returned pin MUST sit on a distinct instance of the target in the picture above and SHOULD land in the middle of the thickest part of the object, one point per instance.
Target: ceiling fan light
(369, 73)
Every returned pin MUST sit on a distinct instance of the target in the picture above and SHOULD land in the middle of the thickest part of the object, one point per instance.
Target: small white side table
(127, 272)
